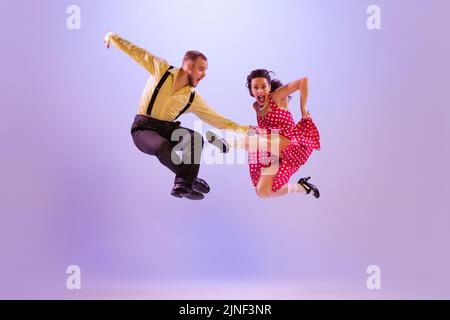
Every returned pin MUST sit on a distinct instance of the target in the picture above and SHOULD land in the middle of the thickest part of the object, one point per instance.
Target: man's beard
(191, 81)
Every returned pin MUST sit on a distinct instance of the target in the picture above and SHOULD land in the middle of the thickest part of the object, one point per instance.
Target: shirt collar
(175, 72)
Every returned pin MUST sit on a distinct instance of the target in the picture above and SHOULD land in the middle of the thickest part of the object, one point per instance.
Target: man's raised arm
(149, 61)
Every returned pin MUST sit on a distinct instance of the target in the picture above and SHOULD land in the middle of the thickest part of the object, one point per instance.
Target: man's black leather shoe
(217, 141)
(200, 185)
(182, 190)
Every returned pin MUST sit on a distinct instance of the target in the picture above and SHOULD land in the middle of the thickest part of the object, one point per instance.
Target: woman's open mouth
(261, 99)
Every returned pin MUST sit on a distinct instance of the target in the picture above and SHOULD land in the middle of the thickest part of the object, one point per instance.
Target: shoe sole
(217, 141)
(200, 189)
(185, 195)
(201, 186)
(176, 195)
(196, 198)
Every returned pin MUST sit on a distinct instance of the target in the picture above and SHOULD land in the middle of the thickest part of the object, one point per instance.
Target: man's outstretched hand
(107, 39)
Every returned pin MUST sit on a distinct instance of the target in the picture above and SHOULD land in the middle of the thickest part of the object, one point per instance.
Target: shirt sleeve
(202, 110)
(149, 61)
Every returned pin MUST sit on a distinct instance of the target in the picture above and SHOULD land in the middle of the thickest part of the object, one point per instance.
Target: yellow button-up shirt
(169, 104)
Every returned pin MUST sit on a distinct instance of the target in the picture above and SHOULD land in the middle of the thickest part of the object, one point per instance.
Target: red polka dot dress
(304, 138)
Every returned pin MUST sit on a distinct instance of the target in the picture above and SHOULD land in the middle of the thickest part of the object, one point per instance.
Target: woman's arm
(286, 90)
(303, 88)
(300, 85)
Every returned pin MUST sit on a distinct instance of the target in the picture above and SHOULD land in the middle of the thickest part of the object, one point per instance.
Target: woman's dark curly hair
(263, 73)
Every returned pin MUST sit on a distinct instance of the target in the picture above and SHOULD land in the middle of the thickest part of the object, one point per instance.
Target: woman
(290, 143)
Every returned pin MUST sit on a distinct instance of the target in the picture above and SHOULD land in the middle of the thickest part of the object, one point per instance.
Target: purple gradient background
(75, 190)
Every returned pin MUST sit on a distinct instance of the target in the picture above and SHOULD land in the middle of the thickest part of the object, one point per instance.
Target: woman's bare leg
(264, 187)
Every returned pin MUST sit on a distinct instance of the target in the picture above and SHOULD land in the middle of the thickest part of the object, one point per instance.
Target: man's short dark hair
(193, 55)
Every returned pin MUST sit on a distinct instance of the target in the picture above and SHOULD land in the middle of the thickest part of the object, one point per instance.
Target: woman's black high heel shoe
(309, 187)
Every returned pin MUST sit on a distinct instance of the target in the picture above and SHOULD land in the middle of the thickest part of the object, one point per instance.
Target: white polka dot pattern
(304, 138)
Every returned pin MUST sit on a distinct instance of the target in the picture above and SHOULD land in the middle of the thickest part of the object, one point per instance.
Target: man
(169, 93)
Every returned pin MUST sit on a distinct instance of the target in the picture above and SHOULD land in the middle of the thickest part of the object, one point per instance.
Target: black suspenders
(191, 99)
(159, 86)
(155, 93)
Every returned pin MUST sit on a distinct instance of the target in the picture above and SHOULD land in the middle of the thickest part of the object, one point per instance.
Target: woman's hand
(306, 116)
